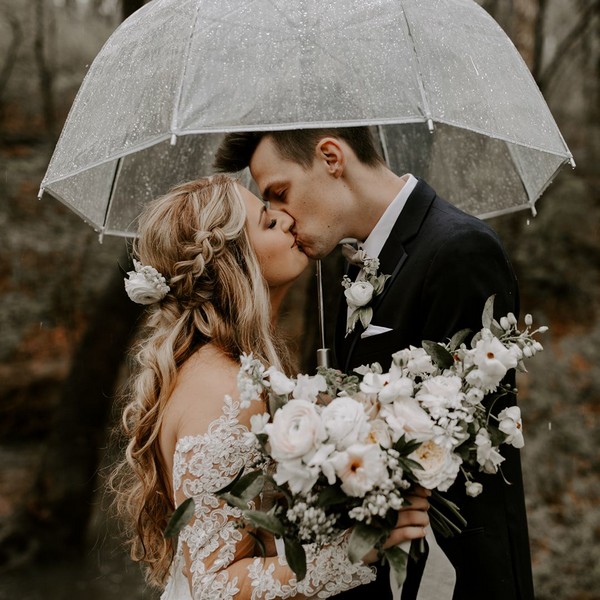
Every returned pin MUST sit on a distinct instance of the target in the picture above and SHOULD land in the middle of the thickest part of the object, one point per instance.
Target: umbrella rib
(177, 103)
(426, 107)
(111, 194)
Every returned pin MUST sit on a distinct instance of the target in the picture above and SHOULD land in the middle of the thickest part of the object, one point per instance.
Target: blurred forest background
(65, 322)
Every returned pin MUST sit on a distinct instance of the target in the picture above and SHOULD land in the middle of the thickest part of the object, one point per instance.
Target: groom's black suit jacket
(444, 264)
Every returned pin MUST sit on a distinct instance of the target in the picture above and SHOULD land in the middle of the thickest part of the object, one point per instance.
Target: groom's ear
(330, 151)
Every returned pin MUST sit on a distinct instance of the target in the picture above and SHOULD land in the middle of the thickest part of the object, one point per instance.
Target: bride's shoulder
(202, 385)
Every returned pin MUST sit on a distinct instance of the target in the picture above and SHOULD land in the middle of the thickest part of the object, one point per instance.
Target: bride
(214, 265)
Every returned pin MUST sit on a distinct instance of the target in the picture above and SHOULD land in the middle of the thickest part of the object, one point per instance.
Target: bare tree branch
(13, 49)
(586, 18)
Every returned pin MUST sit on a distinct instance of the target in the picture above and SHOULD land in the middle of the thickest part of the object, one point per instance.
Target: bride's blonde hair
(196, 237)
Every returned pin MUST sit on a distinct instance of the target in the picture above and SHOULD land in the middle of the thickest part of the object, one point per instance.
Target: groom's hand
(411, 523)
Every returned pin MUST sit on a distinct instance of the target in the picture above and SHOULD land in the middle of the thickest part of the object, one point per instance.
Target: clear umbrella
(450, 97)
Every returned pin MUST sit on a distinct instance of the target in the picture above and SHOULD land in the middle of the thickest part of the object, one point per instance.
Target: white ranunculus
(398, 389)
(438, 394)
(474, 488)
(512, 426)
(359, 294)
(488, 456)
(345, 421)
(299, 476)
(440, 466)
(296, 431)
(145, 285)
(360, 468)
(280, 384)
(308, 387)
(406, 417)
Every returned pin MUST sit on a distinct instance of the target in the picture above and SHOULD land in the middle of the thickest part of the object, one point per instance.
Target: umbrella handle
(323, 354)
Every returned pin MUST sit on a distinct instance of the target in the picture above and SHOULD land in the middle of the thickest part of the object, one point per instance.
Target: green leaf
(458, 338)
(398, 560)
(440, 356)
(365, 314)
(230, 485)
(276, 402)
(363, 539)
(181, 516)
(488, 312)
(249, 486)
(331, 496)
(296, 557)
(265, 521)
(232, 500)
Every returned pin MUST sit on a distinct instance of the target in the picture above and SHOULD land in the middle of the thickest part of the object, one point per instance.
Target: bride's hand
(411, 523)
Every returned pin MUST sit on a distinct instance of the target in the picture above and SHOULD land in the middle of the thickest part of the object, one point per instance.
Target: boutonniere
(360, 294)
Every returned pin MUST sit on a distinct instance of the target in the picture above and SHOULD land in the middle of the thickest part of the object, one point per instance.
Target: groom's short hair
(298, 145)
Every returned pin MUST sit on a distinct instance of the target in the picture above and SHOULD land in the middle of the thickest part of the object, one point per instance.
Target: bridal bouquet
(339, 452)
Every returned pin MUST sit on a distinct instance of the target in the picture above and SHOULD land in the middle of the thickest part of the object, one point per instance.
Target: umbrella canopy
(451, 99)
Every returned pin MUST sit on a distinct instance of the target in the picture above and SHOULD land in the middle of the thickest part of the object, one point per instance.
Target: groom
(443, 265)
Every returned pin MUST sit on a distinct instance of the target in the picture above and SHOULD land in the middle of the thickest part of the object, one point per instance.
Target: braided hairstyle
(195, 236)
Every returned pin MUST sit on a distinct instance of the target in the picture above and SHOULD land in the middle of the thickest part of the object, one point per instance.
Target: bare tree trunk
(45, 75)
(6, 68)
(68, 475)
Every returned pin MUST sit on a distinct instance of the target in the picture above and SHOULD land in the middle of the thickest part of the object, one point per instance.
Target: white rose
(359, 294)
(474, 488)
(345, 421)
(299, 477)
(280, 384)
(440, 466)
(296, 431)
(308, 387)
(360, 468)
(512, 426)
(488, 456)
(406, 417)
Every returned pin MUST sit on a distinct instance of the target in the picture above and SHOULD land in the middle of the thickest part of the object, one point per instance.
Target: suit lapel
(393, 255)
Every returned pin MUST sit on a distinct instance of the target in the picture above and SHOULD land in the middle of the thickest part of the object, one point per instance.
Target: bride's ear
(332, 154)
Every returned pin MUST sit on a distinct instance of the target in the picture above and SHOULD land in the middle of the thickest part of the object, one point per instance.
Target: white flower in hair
(145, 285)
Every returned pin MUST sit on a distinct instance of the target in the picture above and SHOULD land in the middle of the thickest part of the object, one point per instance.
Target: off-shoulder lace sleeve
(220, 558)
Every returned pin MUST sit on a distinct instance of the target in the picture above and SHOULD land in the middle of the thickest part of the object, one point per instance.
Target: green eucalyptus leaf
(458, 338)
(181, 516)
(363, 539)
(249, 486)
(232, 500)
(230, 485)
(397, 559)
(440, 356)
(295, 557)
(265, 521)
(488, 312)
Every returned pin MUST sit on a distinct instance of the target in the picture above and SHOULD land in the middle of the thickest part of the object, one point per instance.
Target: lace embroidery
(204, 464)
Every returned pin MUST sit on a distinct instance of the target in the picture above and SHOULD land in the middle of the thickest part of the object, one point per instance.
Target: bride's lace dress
(219, 557)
